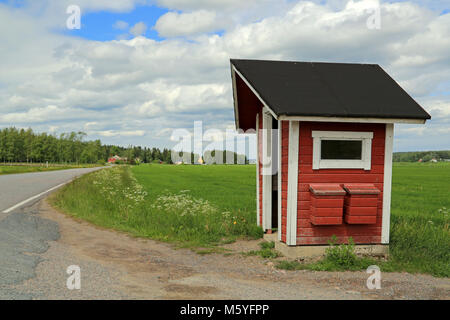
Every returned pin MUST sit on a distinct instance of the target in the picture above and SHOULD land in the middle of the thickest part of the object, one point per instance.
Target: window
(342, 149)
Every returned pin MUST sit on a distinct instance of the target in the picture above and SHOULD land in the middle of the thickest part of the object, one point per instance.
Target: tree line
(424, 155)
(24, 145)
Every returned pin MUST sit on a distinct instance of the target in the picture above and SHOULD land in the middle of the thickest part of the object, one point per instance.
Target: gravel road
(117, 266)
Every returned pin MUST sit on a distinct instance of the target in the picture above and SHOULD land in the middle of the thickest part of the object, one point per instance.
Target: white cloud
(138, 29)
(173, 24)
(113, 133)
(201, 4)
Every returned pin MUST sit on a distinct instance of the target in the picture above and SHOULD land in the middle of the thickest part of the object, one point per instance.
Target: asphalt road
(24, 235)
(15, 188)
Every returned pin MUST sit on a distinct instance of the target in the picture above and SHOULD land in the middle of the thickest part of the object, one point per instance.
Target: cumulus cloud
(201, 4)
(138, 29)
(173, 24)
(112, 133)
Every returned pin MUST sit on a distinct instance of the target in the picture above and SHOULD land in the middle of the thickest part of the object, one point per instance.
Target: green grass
(420, 236)
(203, 206)
(192, 206)
(267, 251)
(337, 258)
(7, 169)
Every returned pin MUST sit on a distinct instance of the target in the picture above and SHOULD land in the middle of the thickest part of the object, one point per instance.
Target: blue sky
(99, 26)
(140, 69)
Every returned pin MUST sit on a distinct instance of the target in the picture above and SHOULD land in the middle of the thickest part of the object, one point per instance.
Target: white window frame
(366, 153)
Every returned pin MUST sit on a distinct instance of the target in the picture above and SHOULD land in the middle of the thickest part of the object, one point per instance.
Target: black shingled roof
(329, 89)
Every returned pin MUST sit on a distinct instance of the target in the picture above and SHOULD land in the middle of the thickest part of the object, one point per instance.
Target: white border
(291, 222)
(349, 119)
(257, 169)
(387, 183)
(267, 169)
(235, 97)
(366, 153)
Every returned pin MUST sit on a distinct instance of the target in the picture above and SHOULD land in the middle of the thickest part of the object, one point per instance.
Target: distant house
(420, 160)
(433, 160)
(116, 158)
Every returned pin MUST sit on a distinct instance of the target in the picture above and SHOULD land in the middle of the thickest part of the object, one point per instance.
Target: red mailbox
(327, 201)
(361, 203)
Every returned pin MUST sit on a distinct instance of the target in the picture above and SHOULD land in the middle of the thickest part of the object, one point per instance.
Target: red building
(327, 169)
(116, 158)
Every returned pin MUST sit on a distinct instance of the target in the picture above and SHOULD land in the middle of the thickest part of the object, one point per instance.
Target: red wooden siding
(307, 233)
(284, 176)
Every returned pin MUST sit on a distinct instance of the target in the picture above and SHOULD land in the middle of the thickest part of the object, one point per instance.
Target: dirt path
(116, 266)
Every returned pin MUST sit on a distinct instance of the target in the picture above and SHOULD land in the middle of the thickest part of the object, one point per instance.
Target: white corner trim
(257, 169)
(346, 119)
(291, 221)
(279, 191)
(387, 184)
(255, 92)
(366, 152)
(235, 99)
(267, 164)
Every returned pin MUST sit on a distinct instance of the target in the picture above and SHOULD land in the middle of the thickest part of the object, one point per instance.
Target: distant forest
(424, 155)
(20, 145)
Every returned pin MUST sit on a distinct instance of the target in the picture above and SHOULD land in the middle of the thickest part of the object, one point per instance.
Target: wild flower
(110, 185)
(183, 205)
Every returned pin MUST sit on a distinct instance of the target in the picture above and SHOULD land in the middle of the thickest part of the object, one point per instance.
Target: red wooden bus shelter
(324, 146)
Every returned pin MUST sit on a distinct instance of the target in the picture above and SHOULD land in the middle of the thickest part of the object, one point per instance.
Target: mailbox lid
(326, 189)
(361, 188)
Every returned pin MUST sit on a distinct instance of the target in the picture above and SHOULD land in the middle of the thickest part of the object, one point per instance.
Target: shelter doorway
(275, 150)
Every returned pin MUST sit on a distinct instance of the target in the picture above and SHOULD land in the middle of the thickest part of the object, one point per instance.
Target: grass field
(193, 206)
(8, 169)
(202, 206)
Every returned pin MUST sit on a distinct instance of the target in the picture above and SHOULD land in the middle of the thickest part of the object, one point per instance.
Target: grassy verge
(267, 251)
(161, 207)
(8, 169)
(337, 258)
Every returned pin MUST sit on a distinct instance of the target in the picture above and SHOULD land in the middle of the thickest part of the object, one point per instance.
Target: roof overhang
(350, 119)
(238, 80)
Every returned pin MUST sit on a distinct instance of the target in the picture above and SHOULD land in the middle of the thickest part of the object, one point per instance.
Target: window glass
(341, 150)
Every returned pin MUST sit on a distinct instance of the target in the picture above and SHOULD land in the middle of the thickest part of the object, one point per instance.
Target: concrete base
(294, 252)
